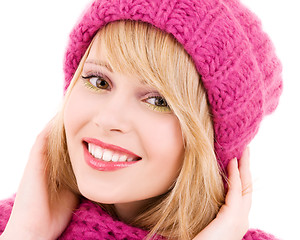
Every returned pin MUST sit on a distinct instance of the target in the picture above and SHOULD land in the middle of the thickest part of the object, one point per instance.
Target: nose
(113, 115)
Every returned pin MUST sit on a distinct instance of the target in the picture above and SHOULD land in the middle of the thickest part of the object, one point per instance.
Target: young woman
(162, 98)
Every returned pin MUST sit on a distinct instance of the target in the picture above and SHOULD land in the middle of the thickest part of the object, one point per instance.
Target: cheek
(75, 112)
(165, 136)
(165, 146)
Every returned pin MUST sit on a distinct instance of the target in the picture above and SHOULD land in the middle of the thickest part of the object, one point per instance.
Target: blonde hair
(157, 58)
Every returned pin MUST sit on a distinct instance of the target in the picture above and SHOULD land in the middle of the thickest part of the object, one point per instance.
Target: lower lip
(101, 165)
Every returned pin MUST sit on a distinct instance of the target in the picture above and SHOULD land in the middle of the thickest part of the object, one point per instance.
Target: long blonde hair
(157, 58)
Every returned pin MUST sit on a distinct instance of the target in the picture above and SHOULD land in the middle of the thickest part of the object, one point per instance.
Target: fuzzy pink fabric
(90, 222)
(237, 64)
(235, 58)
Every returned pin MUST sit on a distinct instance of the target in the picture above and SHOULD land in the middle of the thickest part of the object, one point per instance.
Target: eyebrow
(109, 68)
(100, 63)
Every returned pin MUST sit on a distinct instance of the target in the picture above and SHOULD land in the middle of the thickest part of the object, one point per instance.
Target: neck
(127, 212)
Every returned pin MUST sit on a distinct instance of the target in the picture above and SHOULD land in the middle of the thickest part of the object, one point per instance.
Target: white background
(33, 36)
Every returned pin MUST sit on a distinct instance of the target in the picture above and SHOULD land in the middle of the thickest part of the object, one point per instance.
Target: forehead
(98, 51)
(100, 56)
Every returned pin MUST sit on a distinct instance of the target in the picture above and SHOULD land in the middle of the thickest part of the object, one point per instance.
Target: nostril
(115, 130)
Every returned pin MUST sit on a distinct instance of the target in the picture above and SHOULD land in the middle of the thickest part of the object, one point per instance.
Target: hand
(32, 217)
(231, 222)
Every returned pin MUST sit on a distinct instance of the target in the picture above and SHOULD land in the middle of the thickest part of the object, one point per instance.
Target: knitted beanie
(235, 58)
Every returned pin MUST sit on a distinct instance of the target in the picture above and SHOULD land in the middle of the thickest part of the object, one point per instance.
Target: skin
(31, 206)
(122, 112)
(26, 222)
(232, 219)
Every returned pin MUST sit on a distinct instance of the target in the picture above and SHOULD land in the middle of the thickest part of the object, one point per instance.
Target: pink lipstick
(107, 157)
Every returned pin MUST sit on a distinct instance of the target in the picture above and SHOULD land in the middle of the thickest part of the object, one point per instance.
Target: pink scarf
(90, 221)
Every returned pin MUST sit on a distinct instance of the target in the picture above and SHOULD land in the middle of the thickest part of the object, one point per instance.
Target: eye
(97, 82)
(158, 103)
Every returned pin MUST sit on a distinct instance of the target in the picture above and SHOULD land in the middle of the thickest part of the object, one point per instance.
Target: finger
(34, 173)
(244, 169)
(234, 185)
(38, 149)
(246, 179)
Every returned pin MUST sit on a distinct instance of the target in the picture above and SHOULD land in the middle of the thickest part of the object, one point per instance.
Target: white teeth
(107, 155)
(98, 152)
(123, 158)
(91, 149)
(115, 157)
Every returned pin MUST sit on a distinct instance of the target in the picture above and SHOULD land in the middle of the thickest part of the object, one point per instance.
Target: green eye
(158, 103)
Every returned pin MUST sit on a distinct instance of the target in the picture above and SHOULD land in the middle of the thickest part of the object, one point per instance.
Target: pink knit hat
(236, 59)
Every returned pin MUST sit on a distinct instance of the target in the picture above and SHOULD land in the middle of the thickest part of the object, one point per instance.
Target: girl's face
(124, 143)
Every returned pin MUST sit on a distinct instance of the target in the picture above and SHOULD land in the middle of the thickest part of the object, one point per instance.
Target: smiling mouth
(109, 153)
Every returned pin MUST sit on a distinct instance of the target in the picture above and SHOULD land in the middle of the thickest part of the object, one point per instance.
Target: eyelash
(164, 109)
(98, 76)
(88, 84)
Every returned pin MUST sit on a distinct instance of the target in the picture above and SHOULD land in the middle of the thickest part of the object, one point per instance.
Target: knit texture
(236, 59)
(90, 222)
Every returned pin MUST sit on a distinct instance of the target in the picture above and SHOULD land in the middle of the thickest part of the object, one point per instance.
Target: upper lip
(111, 147)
